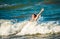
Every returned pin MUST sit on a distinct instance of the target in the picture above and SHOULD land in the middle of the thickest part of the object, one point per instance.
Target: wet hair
(34, 15)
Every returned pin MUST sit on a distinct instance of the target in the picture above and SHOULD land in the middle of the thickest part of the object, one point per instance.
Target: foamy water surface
(7, 27)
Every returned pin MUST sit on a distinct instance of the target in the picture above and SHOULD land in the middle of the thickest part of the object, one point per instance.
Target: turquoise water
(24, 10)
(21, 10)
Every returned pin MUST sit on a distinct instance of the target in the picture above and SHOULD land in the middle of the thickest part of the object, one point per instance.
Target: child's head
(34, 15)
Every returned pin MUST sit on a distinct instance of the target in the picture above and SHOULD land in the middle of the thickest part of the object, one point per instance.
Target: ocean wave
(7, 27)
(7, 5)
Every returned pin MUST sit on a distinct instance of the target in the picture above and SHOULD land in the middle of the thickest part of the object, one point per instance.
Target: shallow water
(53, 36)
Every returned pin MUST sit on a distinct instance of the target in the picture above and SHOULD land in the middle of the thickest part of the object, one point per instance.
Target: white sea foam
(7, 27)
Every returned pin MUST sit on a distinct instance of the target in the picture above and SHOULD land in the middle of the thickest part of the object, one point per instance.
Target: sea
(15, 16)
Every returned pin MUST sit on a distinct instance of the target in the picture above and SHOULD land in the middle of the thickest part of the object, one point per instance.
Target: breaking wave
(11, 27)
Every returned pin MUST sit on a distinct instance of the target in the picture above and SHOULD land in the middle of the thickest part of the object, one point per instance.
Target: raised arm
(39, 13)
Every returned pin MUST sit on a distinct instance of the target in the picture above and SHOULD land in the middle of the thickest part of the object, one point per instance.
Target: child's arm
(39, 14)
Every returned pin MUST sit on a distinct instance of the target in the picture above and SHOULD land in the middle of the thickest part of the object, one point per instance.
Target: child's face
(33, 16)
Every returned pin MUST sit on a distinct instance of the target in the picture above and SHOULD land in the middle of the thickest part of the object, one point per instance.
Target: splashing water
(7, 27)
(11, 27)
